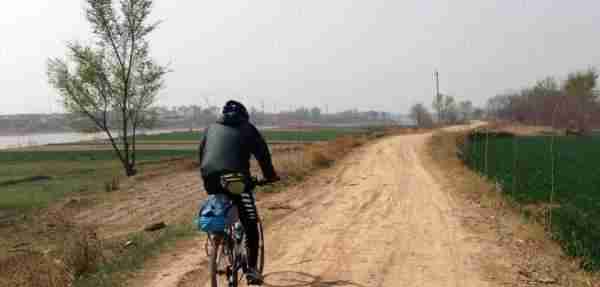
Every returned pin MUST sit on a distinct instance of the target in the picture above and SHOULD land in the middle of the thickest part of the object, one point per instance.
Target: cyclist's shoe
(254, 278)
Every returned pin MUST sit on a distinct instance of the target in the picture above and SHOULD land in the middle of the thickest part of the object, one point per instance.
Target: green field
(270, 135)
(81, 156)
(525, 167)
(33, 179)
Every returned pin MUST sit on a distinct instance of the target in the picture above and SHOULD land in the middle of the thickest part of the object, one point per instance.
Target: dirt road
(379, 218)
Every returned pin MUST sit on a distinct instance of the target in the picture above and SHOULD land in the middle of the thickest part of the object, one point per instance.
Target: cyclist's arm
(260, 150)
(201, 146)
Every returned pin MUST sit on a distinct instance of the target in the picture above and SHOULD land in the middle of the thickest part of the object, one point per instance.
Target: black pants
(249, 218)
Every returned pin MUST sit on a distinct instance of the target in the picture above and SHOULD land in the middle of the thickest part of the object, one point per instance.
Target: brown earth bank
(390, 214)
(114, 221)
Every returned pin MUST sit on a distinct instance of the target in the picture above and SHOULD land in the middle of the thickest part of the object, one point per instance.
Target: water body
(18, 141)
(27, 140)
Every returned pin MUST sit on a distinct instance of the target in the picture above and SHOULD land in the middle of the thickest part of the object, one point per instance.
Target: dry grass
(112, 185)
(324, 155)
(299, 162)
(33, 270)
(319, 158)
(73, 251)
(82, 251)
(78, 257)
(406, 131)
(523, 237)
(296, 161)
(443, 150)
(521, 129)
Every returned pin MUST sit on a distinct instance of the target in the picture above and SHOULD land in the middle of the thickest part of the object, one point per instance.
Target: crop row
(560, 172)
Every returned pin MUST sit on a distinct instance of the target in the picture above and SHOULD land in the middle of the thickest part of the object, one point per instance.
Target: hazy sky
(377, 54)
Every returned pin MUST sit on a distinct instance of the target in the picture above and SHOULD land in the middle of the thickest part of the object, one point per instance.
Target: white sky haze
(376, 54)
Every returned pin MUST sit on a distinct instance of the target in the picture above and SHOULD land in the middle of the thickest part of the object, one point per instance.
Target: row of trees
(448, 110)
(194, 116)
(316, 115)
(572, 104)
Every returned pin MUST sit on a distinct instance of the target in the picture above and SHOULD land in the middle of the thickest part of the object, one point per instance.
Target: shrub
(112, 185)
(108, 186)
(319, 157)
(82, 252)
(116, 183)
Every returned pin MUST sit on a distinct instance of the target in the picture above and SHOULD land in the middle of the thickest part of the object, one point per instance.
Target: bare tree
(573, 104)
(579, 88)
(581, 84)
(478, 113)
(449, 110)
(315, 113)
(438, 107)
(465, 110)
(421, 116)
(114, 81)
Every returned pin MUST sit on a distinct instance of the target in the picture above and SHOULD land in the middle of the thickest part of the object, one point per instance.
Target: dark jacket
(226, 147)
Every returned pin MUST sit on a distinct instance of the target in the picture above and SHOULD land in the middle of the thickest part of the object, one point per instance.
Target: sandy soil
(379, 218)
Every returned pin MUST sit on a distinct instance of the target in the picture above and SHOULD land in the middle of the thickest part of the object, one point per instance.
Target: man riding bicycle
(225, 152)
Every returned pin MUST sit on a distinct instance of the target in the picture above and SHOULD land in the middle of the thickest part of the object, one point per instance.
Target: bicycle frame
(226, 246)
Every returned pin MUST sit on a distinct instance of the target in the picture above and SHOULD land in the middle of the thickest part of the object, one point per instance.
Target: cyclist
(224, 151)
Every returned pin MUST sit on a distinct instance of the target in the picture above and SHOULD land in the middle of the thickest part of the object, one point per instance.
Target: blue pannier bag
(214, 214)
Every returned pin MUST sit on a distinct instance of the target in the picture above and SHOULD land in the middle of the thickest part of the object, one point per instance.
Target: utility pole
(438, 96)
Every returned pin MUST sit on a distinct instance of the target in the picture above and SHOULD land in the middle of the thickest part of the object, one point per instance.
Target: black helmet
(234, 109)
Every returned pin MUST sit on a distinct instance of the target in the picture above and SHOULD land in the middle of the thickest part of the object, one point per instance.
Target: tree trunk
(130, 170)
(133, 149)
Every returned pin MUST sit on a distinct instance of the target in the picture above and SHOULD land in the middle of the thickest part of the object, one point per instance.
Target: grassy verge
(85, 261)
(141, 246)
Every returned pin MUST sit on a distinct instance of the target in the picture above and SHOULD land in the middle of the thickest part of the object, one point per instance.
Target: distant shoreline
(37, 133)
(17, 134)
(21, 140)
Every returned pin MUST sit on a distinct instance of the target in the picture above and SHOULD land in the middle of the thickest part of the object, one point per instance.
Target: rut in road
(379, 218)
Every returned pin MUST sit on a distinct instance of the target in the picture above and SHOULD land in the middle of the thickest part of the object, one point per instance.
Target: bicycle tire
(261, 249)
(219, 263)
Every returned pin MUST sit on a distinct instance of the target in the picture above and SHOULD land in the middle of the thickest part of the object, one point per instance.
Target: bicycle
(227, 252)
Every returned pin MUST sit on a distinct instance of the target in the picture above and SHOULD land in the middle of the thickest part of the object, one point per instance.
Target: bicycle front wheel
(261, 249)
(221, 263)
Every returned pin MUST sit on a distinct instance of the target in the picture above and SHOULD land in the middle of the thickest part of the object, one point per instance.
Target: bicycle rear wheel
(220, 264)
